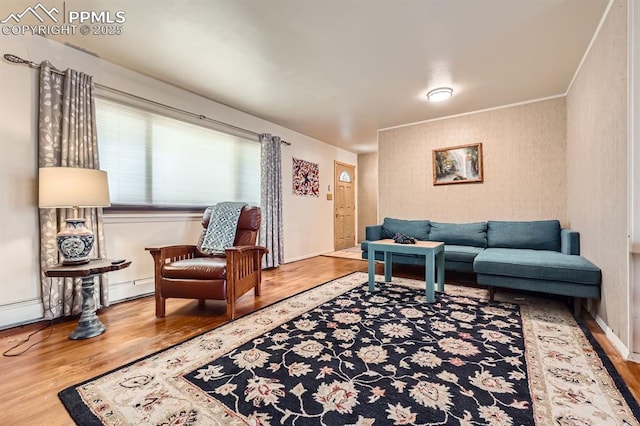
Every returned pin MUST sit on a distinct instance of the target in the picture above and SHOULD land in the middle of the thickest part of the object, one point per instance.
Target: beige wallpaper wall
(597, 165)
(524, 166)
(367, 192)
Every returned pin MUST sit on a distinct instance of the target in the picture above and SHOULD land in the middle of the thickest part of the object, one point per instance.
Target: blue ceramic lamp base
(75, 242)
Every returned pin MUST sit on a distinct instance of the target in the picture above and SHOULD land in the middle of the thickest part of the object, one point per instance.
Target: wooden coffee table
(433, 252)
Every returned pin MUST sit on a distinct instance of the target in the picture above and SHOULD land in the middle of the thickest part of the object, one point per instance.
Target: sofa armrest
(569, 242)
(373, 233)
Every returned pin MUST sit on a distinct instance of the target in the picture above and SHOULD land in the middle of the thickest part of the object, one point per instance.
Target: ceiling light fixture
(440, 94)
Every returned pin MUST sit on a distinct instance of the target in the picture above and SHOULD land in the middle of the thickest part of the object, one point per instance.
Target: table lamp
(72, 187)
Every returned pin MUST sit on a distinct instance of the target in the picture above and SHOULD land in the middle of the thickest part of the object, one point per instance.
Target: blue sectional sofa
(535, 255)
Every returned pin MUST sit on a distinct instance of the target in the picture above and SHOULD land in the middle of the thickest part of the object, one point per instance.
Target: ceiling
(339, 70)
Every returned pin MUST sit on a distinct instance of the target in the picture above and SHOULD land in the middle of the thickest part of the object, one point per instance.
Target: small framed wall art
(306, 178)
(458, 164)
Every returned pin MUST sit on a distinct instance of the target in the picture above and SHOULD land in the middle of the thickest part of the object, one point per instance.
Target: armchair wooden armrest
(244, 272)
(162, 255)
(172, 252)
(247, 248)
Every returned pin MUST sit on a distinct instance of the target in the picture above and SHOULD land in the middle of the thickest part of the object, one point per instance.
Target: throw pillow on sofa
(462, 234)
(533, 235)
(418, 229)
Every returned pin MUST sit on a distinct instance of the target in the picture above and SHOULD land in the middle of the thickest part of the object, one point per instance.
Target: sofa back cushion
(419, 229)
(535, 235)
(462, 234)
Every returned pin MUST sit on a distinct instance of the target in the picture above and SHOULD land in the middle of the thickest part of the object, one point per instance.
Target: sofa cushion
(454, 253)
(536, 264)
(463, 234)
(535, 235)
(553, 287)
(419, 229)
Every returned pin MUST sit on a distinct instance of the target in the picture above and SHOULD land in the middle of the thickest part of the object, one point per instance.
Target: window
(344, 177)
(154, 160)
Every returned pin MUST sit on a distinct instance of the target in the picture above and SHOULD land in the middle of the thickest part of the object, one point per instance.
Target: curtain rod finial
(15, 59)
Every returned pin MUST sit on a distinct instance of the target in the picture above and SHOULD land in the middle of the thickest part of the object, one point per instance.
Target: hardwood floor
(29, 383)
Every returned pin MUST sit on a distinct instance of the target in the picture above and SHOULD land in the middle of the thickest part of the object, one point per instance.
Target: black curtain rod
(17, 60)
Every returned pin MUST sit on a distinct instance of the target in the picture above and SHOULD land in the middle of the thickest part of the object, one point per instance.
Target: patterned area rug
(339, 355)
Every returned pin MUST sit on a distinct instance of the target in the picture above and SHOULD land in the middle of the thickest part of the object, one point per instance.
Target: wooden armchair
(184, 271)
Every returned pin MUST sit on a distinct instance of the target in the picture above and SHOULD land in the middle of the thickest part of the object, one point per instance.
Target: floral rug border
(554, 376)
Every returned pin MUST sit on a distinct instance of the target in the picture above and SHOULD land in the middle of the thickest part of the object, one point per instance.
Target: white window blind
(154, 160)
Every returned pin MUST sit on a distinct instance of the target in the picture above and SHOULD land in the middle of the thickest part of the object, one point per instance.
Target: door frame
(337, 163)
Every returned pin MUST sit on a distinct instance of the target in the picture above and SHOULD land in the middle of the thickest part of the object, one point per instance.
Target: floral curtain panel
(67, 138)
(271, 230)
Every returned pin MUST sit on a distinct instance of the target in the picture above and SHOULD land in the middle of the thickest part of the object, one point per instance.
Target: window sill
(149, 217)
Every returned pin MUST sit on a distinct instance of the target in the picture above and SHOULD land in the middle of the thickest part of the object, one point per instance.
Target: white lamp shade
(61, 187)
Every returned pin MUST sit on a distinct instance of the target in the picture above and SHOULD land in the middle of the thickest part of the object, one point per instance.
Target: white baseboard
(634, 357)
(119, 292)
(30, 311)
(306, 256)
(16, 314)
(615, 340)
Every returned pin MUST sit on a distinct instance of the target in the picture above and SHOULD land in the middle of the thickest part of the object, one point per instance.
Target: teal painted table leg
(372, 269)
(440, 258)
(429, 275)
(388, 257)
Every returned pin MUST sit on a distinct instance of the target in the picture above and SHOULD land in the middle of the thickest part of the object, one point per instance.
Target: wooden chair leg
(160, 306)
(492, 292)
(157, 266)
(231, 308)
(201, 303)
(257, 267)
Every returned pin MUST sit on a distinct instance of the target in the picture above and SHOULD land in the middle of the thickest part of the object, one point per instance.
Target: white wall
(308, 222)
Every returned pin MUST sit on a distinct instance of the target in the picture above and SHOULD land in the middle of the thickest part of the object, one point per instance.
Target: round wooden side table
(89, 325)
